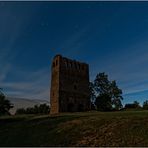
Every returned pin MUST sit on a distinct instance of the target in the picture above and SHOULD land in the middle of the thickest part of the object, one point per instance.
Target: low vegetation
(124, 128)
(37, 109)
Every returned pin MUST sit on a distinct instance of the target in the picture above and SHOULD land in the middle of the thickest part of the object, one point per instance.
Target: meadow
(124, 128)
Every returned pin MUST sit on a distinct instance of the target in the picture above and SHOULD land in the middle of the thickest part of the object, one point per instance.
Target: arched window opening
(70, 107)
(80, 108)
(83, 67)
(53, 65)
(79, 66)
(75, 87)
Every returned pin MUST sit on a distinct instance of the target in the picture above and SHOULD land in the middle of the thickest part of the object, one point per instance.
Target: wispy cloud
(4, 72)
(128, 67)
(35, 86)
(29, 84)
(74, 43)
(11, 28)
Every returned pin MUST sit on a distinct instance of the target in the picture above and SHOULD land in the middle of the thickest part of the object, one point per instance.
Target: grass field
(125, 128)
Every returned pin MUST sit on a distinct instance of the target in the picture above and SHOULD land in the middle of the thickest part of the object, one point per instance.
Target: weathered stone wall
(69, 86)
(54, 90)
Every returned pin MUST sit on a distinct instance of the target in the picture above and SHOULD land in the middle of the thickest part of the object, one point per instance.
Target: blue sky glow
(111, 37)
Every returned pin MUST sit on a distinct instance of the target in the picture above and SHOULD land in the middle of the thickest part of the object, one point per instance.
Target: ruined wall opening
(70, 107)
(53, 65)
(75, 87)
(80, 108)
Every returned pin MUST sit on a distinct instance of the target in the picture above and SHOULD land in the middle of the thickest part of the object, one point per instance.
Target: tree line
(37, 109)
(6, 105)
(105, 95)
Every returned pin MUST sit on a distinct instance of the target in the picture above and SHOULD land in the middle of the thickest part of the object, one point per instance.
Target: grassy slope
(127, 128)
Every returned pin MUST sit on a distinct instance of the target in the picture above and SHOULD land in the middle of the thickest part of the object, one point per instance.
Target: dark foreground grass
(126, 128)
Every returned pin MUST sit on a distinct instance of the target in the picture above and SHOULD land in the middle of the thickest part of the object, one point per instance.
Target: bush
(20, 111)
(41, 109)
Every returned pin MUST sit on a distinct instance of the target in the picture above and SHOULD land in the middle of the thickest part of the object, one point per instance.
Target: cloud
(127, 66)
(4, 72)
(17, 82)
(11, 28)
(73, 45)
(35, 86)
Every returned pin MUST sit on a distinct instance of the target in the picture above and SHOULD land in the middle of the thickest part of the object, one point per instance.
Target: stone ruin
(69, 86)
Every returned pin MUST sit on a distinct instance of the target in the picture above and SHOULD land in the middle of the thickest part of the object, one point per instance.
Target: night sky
(112, 37)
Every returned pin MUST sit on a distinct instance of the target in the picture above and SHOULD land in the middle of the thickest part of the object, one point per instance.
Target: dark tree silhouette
(92, 95)
(116, 95)
(103, 102)
(20, 111)
(145, 105)
(136, 104)
(41, 109)
(93, 107)
(5, 104)
(92, 92)
(108, 95)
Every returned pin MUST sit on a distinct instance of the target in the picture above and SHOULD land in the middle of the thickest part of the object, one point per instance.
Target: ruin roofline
(68, 59)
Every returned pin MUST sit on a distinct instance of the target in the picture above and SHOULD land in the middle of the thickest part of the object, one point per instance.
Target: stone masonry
(69, 86)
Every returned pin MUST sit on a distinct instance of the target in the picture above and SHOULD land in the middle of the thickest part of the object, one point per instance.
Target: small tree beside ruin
(107, 94)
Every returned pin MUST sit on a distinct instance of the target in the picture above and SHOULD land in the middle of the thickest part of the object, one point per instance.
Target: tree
(136, 104)
(145, 105)
(92, 92)
(93, 107)
(20, 111)
(92, 95)
(5, 104)
(103, 102)
(108, 95)
(44, 109)
(116, 95)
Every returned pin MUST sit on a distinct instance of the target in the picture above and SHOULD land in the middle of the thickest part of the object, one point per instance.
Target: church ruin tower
(69, 86)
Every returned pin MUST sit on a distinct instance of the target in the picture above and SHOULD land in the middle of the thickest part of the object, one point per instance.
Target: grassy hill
(126, 128)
